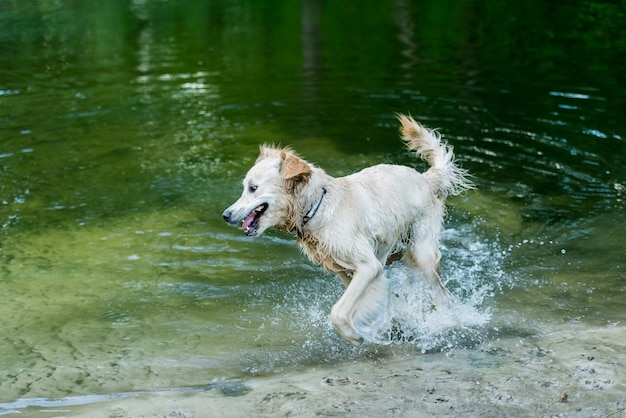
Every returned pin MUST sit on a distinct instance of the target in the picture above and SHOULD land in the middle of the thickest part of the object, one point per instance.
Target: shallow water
(126, 127)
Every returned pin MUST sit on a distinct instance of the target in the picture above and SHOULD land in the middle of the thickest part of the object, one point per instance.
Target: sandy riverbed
(579, 373)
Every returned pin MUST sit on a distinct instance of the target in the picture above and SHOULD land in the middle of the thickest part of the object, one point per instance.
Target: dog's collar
(311, 213)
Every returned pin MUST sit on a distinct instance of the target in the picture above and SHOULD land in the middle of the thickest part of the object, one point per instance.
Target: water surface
(127, 126)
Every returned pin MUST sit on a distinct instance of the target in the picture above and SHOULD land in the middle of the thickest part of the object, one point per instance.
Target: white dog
(351, 225)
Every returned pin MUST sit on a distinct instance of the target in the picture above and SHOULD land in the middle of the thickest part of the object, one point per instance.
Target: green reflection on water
(127, 126)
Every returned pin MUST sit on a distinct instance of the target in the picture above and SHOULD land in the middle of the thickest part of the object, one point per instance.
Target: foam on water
(472, 272)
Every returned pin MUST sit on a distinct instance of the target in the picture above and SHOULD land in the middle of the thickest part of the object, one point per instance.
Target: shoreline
(574, 374)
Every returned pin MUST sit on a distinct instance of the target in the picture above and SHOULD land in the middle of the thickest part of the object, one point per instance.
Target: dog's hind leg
(423, 255)
(366, 294)
(426, 261)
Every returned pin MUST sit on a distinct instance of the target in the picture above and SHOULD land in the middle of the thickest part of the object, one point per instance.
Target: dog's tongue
(248, 221)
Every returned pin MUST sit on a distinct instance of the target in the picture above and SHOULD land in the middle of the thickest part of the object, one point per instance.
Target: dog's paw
(371, 316)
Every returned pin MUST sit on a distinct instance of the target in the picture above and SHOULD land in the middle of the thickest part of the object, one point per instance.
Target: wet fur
(362, 219)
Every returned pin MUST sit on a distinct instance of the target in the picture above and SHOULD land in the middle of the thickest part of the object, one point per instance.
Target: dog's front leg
(342, 314)
(345, 278)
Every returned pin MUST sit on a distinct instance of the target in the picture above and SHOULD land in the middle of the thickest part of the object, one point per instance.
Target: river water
(127, 126)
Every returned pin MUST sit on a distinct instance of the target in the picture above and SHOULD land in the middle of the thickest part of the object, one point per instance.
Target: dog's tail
(444, 175)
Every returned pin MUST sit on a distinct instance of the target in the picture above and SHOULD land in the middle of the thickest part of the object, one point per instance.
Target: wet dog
(351, 225)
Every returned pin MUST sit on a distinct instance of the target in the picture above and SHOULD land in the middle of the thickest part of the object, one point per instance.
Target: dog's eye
(252, 188)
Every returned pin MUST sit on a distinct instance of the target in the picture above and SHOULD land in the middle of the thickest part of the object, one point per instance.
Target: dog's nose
(226, 215)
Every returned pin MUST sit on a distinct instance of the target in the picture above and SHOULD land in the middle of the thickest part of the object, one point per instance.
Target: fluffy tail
(444, 175)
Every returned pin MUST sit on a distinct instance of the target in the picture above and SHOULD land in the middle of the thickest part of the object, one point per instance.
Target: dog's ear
(294, 169)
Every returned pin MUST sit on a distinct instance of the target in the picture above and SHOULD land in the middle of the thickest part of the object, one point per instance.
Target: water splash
(472, 272)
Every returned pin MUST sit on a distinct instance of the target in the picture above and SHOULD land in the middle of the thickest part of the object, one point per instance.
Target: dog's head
(269, 190)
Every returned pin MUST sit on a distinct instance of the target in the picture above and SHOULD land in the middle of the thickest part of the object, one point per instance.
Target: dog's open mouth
(251, 223)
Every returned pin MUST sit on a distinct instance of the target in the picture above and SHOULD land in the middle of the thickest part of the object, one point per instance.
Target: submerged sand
(579, 373)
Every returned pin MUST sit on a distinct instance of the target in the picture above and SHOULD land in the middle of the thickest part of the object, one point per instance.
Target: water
(126, 127)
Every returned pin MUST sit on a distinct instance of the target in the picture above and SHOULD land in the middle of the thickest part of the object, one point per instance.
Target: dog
(352, 225)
